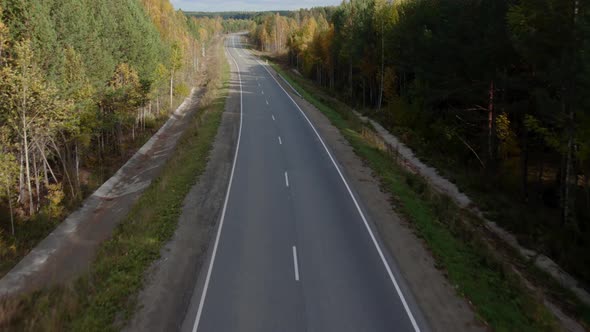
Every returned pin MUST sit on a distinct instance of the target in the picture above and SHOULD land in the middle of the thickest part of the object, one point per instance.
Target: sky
(249, 5)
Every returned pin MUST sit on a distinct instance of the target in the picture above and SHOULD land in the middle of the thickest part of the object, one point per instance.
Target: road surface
(294, 251)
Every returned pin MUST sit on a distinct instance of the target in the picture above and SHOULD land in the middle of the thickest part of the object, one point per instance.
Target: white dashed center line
(295, 263)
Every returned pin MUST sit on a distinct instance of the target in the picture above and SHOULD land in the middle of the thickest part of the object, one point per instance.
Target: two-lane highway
(294, 250)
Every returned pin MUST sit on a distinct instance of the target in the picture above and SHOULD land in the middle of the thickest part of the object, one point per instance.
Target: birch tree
(33, 110)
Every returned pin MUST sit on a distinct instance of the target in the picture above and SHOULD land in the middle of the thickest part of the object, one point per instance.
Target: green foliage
(8, 173)
(4, 38)
(55, 197)
(550, 137)
(31, 106)
(124, 93)
(176, 57)
(81, 81)
(181, 90)
(237, 25)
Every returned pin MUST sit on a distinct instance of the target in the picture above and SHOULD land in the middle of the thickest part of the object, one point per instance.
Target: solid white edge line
(206, 285)
(286, 178)
(289, 84)
(373, 238)
(295, 263)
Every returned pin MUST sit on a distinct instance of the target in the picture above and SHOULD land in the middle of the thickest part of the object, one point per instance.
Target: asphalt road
(294, 251)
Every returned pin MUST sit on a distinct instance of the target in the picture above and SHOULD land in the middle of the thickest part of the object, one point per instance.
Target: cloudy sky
(249, 5)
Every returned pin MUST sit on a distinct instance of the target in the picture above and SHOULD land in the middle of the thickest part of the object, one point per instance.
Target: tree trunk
(567, 87)
(171, 90)
(568, 175)
(65, 169)
(27, 165)
(21, 179)
(10, 208)
(37, 182)
(47, 163)
(364, 95)
(77, 161)
(195, 63)
(541, 172)
(491, 124)
(277, 34)
(587, 190)
(332, 78)
(525, 165)
(45, 174)
(350, 80)
(380, 99)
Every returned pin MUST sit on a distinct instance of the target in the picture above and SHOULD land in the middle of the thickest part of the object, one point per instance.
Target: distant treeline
(492, 92)
(234, 15)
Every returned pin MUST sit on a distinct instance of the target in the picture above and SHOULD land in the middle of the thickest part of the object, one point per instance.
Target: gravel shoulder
(164, 301)
(443, 309)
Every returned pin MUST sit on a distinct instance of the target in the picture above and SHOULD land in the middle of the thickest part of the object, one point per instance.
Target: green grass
(449, 232)
(105, 298)
(137, 242)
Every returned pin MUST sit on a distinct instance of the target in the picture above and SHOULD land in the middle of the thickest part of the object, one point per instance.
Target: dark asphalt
(343, 284)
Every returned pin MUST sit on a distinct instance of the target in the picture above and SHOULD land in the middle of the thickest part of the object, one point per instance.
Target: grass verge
(105, 298)
(450, 233)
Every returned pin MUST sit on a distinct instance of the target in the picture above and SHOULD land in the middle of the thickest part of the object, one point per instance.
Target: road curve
(294, 251)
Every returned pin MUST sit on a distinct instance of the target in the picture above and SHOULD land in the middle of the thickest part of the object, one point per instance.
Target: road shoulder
(443, 309)
(164, 301)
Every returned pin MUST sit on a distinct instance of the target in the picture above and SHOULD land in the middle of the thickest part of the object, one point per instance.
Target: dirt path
(69, 250)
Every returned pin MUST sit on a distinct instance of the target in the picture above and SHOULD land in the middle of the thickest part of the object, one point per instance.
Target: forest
(491, 93)
(83, 84)
(235, 15)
